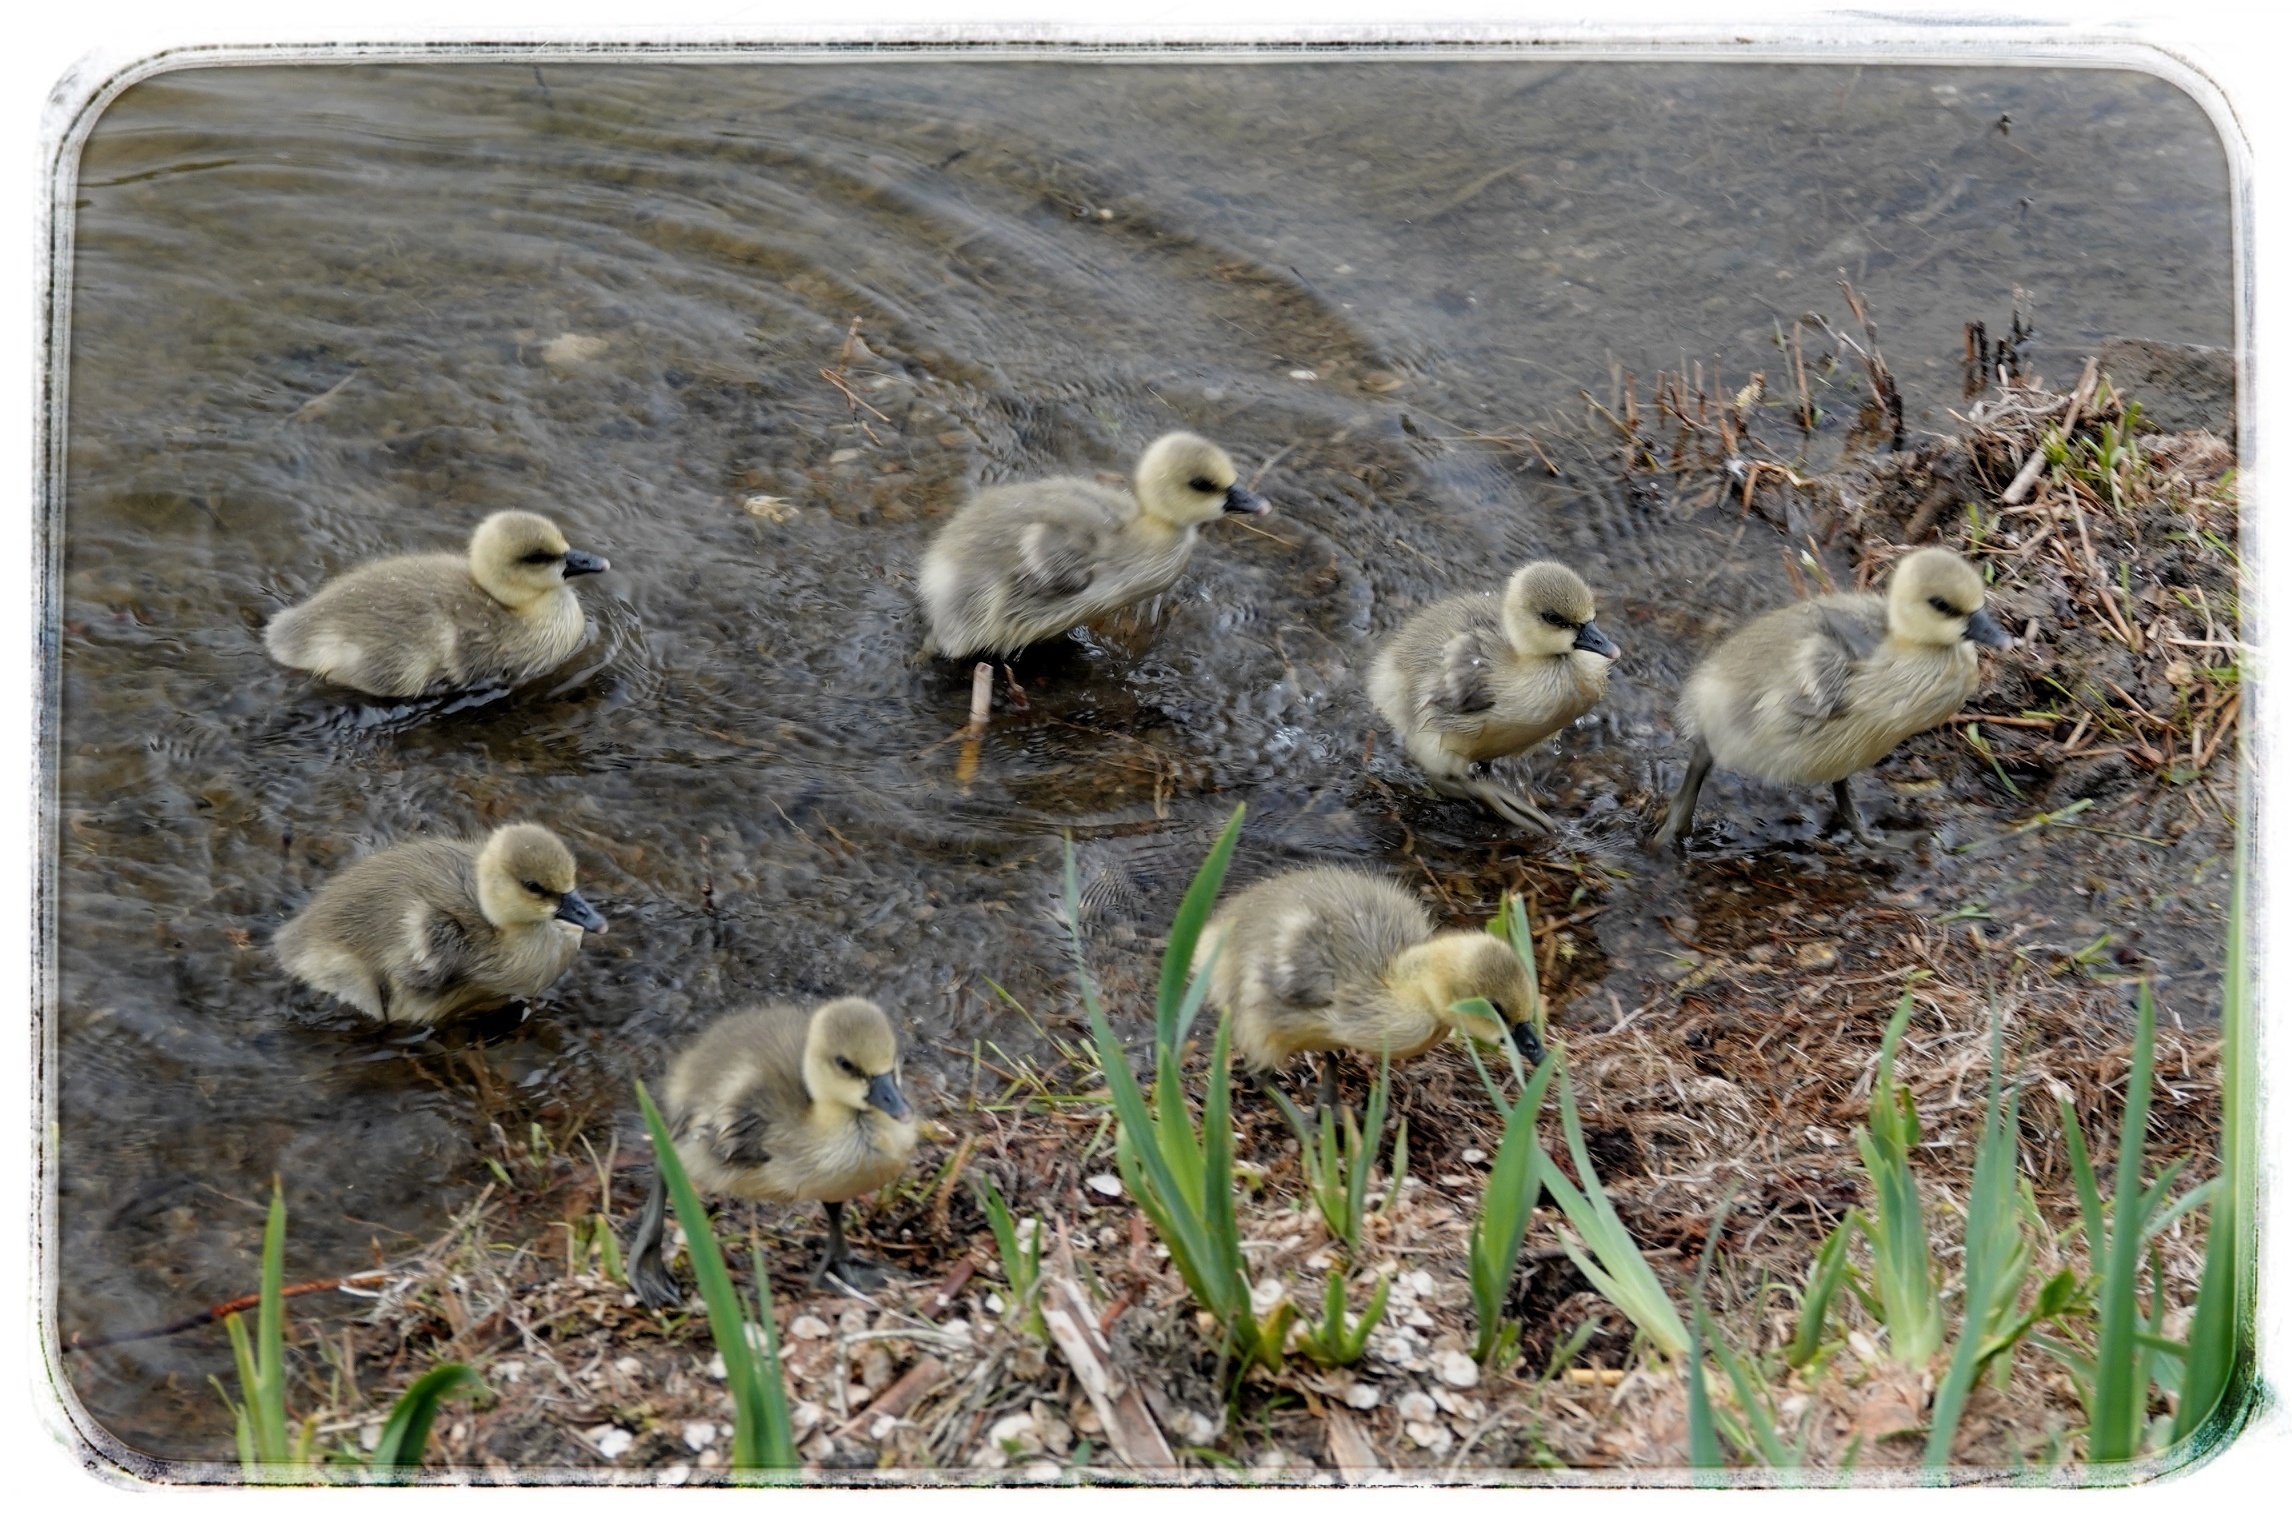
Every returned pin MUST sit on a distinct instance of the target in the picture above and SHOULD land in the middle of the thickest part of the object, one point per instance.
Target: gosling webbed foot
(649, 1278)
(1680, 820)
(1845, 814)
(843, 1265)
(853, 1272)
(653, 1285)
(1513, 806)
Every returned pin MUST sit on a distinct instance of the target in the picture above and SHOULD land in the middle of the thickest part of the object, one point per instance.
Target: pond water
(321, 314)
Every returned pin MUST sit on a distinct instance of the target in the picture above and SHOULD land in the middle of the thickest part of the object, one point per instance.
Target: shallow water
(313, 322)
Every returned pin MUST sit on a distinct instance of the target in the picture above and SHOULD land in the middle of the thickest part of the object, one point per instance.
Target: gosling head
(1448, 968)
(519, 557)
(851, 1058)
(1183, 480)
(525, 878)
(1935, 600)
(1548, 612)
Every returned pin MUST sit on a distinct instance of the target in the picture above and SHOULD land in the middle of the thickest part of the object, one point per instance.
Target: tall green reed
(268, 1454)
(747, 1336)
(1182, 1175)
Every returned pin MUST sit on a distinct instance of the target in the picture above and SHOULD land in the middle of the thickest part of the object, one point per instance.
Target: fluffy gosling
(1027, 561)
(405, 626)
(775, 1103)
(1481, 677)
(1810, 693)
(1328, 959)
(436, 926)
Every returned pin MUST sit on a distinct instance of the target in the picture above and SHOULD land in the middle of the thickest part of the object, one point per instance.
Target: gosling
(777, 1104)
(1810, 693)
(1027, 561)
(433, 927)
(407, 626)
(1481, 677)
(1329, 959)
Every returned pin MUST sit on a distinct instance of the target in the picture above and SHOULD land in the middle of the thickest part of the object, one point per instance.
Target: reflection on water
(323, 314)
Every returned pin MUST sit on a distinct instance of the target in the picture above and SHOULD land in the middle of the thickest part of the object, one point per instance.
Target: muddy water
(321, 315)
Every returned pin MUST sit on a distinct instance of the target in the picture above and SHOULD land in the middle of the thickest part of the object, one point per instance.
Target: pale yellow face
(1546, 609)
(1184, 480)
(517, 556)
(851, 1057)
(524, 874)
(1465, 965)
(1933, 598)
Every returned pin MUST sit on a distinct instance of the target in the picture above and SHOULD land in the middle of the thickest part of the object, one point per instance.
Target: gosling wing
(1823, 667)
(1057, 561)
(444, 952)
(1462, 683)
(740, 1139)
(1299, 969)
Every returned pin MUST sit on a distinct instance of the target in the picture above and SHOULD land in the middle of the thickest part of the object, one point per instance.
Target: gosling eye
(849, 1069)
(1554, 618)
(537, 888)
(538, 558)
(1945, 607)
(1203, 485)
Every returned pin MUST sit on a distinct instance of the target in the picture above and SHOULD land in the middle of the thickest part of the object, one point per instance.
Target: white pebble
(1363, 1397)
(1304, 374)
(847, 454)
(572, 349)
(1197, 1429)
(1042, 1472)
(612, 1442)
(807, 1329)
(1457, 1370)
(1416, 1406)
(1430, 1435)
(1106, 1184)
(698, 1435)
(676, 1474)
(1473, 1154)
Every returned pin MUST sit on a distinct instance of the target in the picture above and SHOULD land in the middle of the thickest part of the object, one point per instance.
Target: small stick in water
(982, 702)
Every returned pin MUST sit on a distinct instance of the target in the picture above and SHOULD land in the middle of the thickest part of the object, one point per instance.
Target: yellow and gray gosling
(436, 926)
(1810, 693)
(405, 626)
(1328, 959)
(778, 1104)
(1027, 561)
(1480, 677)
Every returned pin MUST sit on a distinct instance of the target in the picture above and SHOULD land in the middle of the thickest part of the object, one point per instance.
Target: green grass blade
(766, 1377)
(250, 1381)
(1186, 929)
(2088, 1186)
(727, 1312)
(407, 1432)
(2219, 1327)
(2118, 1411)
(1993, 1254)
(1814, 1305)
(1607, 1240)
(1507, 1201)
(267, 1402)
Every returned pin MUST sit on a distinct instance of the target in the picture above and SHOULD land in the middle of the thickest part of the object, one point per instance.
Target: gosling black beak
(1240, 501)
(883, 1093)
(1524, 1041)
(1989, 633)
(1593, 640)
(574, 910)
(578, 563)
